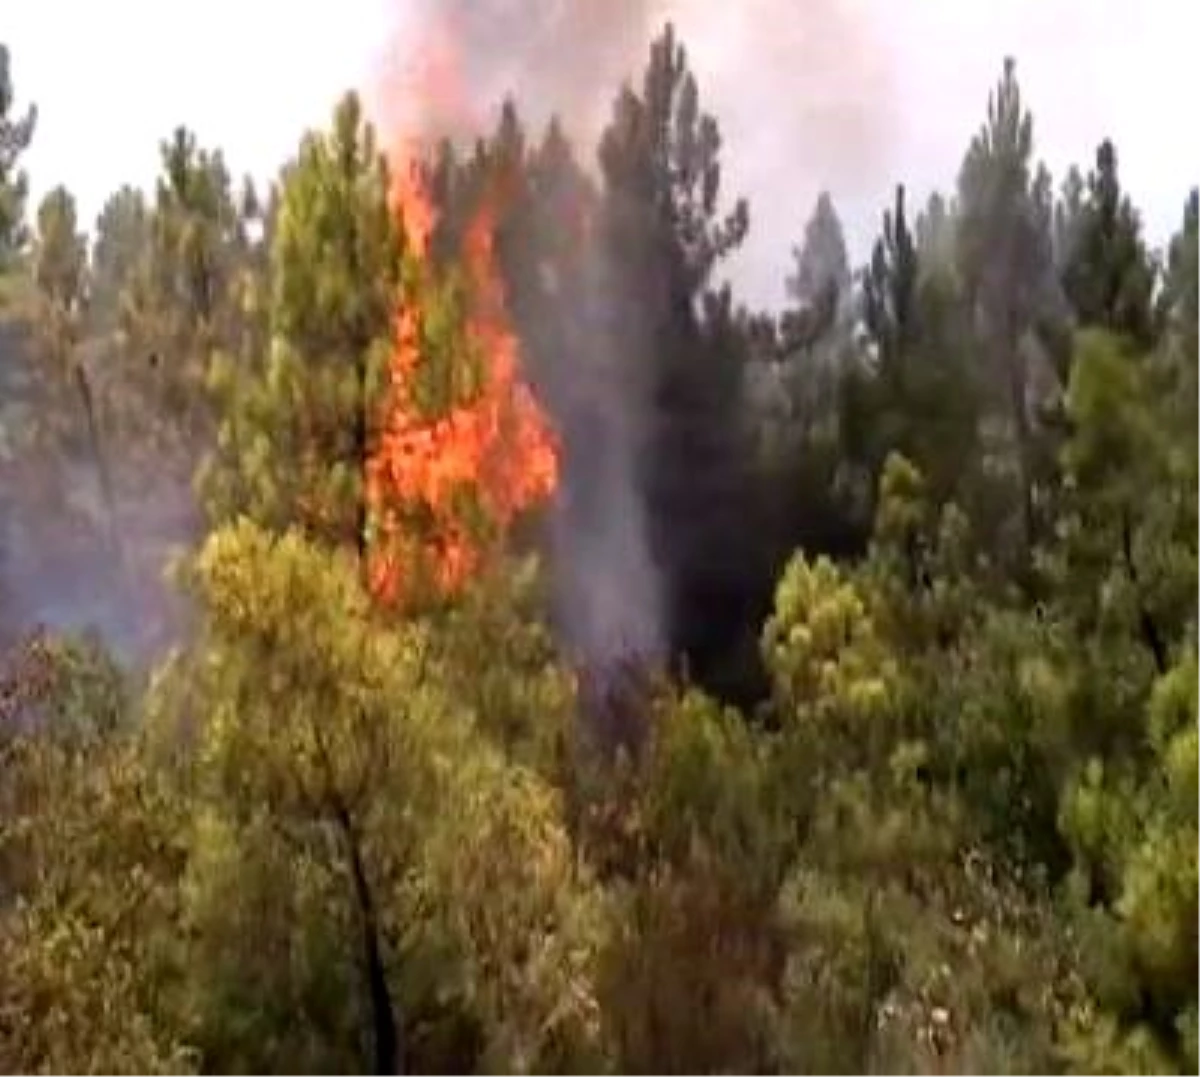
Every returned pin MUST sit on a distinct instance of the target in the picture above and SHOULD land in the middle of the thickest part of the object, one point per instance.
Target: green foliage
(59, 269)
(69, 1004)
(914, 392)
(335, 246)
(59, 264)
(822, 265)
(1109, 276)
(68, 686)
(910, 943)
(121, 238)
(831, 671)
(179, 274)
(90, 850)
(1132, 825)
(1130, 560)
(953, 829)
(522, 695)
(661, 235)
(686, 979)
(16, 133)
(331, 746)
(1005, 263)
(297, 420)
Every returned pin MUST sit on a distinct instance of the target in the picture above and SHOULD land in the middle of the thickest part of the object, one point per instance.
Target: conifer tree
(1109, 276)
(663, 234)
(822, 268)
(60, 278)
(118, 249)
(16, 133)
(1006, 267)
(298, 421)
(912, 392)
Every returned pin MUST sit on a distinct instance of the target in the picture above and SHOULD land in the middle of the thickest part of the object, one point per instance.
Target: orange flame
(445, 483)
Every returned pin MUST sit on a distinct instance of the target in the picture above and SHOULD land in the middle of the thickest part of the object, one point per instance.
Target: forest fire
(463, 446)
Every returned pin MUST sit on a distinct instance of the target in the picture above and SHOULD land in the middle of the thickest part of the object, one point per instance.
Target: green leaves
(297, 420)
(954, 827)
(69, 1003)
(1109, 275)
(16, 133)
(1129, 561)
(331, 749)
(171, 278)
(827, 661)
(59, 268)
(335, 253)
(90, 854)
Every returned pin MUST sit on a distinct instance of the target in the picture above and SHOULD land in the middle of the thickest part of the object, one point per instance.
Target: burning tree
(463, 446)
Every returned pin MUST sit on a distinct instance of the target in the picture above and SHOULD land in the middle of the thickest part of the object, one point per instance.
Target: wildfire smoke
(463, 447)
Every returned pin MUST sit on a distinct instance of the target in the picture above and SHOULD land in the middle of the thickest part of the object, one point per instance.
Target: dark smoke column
(608, 590)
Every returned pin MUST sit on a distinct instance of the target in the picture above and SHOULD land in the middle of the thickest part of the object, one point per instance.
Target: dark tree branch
(386, 1029)
(1151, 635)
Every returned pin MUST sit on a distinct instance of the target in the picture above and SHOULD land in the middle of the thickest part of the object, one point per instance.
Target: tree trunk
(101, 462)
(1018, 383)
(360, 459)
(385, 1028)
(1150, 633)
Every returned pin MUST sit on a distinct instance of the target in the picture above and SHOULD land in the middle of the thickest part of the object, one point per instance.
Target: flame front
(463, 447)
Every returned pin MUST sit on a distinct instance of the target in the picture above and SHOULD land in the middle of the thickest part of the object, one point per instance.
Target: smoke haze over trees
(446, 626)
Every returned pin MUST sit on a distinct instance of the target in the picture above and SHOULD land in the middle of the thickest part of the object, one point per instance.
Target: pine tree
(60, 274)
(298, 421)
(546, 254)
(1179, 306)
(662, 234)
(890, 290)
(1068, 218)
(122, 234)
(182, 302)
(1109, 275)
(60, 278)
(821, 281)
(16, 133)
(912, 392)
(935, 229)
(1006, 267)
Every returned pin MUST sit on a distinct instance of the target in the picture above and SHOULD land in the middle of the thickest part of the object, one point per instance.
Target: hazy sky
(850, 94)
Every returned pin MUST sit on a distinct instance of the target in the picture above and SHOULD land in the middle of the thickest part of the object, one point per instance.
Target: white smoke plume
(821, 70)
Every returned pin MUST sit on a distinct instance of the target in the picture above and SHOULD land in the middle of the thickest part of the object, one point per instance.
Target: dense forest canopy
(508, 651)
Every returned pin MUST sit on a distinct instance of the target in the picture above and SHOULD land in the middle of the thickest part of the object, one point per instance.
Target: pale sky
(113, 77)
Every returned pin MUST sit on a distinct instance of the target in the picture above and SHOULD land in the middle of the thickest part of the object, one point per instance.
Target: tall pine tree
(821, 280)
(1109, 275)
(662, 235)
(1005, 262)
(913, 391)
(16, 132)
(297, 422)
